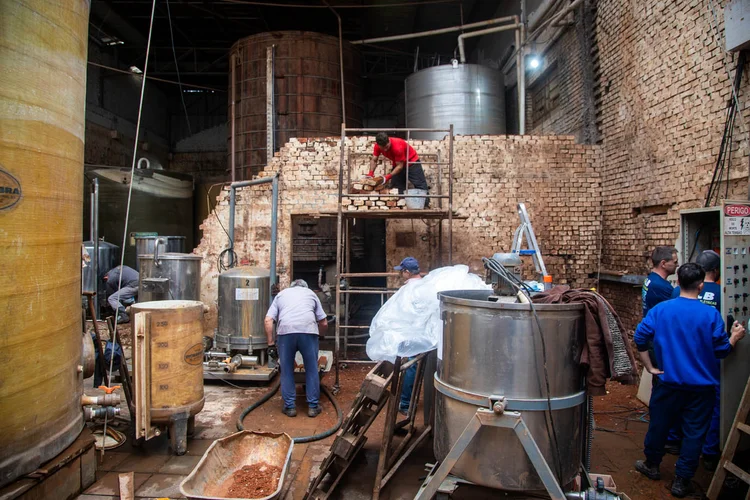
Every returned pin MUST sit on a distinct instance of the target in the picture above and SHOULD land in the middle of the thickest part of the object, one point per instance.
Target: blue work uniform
(711, 296)
(655, 290)
(688, 338)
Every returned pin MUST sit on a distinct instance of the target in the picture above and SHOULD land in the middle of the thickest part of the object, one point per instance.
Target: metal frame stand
(343, 247)
(494, 417)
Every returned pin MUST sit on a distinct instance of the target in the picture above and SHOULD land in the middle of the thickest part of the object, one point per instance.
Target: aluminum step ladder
(526, 229)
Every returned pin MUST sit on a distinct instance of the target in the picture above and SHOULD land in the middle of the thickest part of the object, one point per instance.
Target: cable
(177, 69)
(301, 439)
(130, 195)
(220, 266)
(126, 72)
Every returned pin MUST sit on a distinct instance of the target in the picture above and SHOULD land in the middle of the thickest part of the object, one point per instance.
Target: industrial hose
(302, 439)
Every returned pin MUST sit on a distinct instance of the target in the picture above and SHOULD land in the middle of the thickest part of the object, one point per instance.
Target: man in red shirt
(395, 149)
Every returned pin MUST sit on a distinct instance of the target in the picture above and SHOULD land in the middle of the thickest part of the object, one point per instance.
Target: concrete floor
(617, 444)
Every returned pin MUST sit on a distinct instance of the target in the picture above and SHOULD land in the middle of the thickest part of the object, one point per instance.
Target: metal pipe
(556, 18)
(541, 13)
(341, 62)
(105, 412)
(270, 108)
(95, 240)
(440, 31)
(274, 226)
(337, 341)
(233, 63)
(450, 197)
(103, 400)
(520, 85)
(274, 218)
(462, 55)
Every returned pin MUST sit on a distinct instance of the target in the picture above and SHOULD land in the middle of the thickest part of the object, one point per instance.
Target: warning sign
(737, 220)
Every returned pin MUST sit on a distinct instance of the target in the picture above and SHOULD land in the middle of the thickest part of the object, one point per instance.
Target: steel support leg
(487, 418)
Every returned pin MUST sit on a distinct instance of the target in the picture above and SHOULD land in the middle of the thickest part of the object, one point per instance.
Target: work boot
(314, 411)
(681, 487)
(673, 447)
(289, 412)
(123, 318)
(648, 469)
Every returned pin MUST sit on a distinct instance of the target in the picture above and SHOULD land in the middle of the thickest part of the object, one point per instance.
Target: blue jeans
(668, 404)
(407, 386)
(288, 345)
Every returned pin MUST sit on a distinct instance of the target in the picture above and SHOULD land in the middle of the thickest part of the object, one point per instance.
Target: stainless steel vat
(162, 202)
(469, 96)
(244, 298)
(144, 245)
(109, 257)
(494, 349)
(169, 276)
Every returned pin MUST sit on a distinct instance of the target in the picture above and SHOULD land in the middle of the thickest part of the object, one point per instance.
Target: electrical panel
(726, 230)
(737, 25)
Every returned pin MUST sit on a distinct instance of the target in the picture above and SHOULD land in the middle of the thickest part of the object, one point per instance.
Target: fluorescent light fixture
(136, 70)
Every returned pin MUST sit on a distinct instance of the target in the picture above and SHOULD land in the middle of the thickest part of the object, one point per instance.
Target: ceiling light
(135, 70)
(534, 62)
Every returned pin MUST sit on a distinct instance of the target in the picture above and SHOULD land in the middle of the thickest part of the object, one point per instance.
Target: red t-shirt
(397, 151)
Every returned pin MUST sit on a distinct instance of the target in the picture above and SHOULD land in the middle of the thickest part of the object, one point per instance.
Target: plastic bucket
(415, 203)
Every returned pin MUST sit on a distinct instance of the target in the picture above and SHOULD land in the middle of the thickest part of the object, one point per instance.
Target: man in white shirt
(299, 319)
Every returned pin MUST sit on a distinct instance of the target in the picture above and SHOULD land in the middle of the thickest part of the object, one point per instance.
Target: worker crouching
(299, 319)
(688, 338)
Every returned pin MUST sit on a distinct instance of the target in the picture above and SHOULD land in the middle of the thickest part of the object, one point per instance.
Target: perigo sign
(737, 210)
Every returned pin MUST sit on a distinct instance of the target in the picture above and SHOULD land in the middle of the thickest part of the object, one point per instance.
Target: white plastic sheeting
(409, 322)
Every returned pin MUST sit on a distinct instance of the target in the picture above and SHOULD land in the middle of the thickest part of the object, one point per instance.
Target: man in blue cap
(408, 271)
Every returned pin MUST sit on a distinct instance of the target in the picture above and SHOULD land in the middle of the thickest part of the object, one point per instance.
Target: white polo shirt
(296, 310)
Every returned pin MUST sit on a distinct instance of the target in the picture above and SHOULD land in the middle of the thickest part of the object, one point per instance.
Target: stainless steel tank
(144, 245)
(162, 202)
(244, 298)
(469, 96)
(169, 276)
(109, 257)
(494, 349)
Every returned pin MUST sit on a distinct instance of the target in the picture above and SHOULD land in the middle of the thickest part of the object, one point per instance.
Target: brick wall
(664, 89)
(557, 178)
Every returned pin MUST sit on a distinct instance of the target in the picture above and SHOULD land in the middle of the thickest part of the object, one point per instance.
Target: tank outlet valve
(105, 412)
(103, 400)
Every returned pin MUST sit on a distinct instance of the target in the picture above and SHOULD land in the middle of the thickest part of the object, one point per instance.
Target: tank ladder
(739, 427)
(380, 389)
(527, 230)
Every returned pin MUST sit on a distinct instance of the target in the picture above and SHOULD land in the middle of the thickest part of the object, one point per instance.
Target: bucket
(415, 203)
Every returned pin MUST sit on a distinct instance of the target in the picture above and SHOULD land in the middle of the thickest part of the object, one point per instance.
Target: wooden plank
(127, 485)
(729, 466)
(743, 427)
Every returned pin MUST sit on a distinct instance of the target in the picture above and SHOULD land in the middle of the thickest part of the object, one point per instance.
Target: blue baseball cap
(408, 264)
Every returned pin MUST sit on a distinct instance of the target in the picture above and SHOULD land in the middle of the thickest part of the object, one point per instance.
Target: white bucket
(415, 203)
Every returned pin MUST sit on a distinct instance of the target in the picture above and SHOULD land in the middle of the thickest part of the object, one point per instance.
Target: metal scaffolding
(343, 239)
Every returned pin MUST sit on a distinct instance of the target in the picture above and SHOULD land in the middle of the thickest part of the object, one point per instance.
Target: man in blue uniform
(710, 261)
(688, 338)
(656, 288)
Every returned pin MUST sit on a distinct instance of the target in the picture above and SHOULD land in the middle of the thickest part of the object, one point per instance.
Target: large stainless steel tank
(162, 203)
(145, 245)
(244, 298)
(494, 349)
(169, 276)
(109, 258)
(469, 96)
(169, 355)
(43, 51)
(307, 91)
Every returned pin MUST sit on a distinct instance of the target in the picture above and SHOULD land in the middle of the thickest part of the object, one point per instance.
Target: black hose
(302, 439)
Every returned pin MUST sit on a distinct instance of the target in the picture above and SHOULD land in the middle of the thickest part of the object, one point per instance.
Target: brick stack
(556, 178)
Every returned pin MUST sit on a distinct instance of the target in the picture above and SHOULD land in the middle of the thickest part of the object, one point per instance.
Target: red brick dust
(258, 480)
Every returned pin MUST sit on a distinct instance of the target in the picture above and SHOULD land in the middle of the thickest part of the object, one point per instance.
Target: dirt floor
(621, 422)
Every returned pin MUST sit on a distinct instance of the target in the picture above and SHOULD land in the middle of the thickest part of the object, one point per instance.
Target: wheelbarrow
(212, 477)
